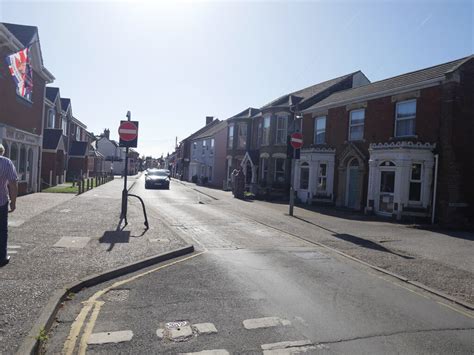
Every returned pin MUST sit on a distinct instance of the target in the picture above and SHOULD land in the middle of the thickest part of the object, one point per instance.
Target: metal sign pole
(292, 189)
(123, 215)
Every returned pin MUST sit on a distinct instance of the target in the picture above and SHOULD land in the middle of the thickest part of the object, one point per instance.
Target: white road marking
(205, 328)
(14, 247)
(210, 352)
(266, 322)
(181, 332)
(72, 242)
(110, 337)
(287, 347)
(160, 333)
(12, 252)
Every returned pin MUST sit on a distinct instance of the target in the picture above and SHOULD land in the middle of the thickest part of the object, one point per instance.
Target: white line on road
(287, 347)
(205, 328)
(209, 352)
(110, 337)
(266, 322)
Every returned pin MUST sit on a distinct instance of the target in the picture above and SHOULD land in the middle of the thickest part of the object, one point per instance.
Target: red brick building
(54, 156)
(21, 120)
(383, 147)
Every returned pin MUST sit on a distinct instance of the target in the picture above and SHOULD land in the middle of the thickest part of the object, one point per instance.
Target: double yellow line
(94, 303)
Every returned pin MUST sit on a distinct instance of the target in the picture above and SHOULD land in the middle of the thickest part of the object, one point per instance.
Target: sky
(172, 63)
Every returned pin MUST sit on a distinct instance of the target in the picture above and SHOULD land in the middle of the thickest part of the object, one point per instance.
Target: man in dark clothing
(8, 193)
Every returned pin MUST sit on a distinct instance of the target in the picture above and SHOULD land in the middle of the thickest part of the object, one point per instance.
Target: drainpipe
(434, 190)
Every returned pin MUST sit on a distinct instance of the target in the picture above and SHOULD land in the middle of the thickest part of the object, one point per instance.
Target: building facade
(21, 120)
(383, 147)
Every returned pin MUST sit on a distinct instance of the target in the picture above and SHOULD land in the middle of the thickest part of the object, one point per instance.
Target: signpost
(128, 133)
(296, 141)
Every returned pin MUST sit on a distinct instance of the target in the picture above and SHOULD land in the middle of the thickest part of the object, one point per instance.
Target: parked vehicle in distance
(157, 178)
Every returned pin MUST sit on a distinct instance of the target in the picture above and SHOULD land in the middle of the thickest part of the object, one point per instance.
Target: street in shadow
(365, 243)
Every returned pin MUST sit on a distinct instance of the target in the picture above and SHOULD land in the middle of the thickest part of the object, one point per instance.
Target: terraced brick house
(278, 120)
(241, 147)
(376, 147)
(54, 152)
(21, 120)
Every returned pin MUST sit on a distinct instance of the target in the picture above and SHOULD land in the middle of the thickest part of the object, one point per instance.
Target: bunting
(20, 69)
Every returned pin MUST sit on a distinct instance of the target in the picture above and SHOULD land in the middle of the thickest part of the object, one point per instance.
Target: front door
(387, 187)
(353, 187)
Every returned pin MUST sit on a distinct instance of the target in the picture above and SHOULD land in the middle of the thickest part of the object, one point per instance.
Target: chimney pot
(209, 119)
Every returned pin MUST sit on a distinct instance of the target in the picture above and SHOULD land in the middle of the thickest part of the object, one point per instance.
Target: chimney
(107, 133)
(209, 119)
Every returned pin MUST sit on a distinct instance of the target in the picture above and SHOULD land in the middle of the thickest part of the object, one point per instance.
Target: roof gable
(52, 93)
(306, 93)
(407, 80)
(25, 34)
(51, 138)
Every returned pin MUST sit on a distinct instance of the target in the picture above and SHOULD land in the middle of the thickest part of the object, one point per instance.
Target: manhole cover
(178, 331)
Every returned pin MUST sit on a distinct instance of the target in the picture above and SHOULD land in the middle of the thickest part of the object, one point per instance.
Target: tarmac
(58, 239)
(437, 259)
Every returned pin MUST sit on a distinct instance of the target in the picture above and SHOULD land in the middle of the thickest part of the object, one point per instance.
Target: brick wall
(15, 111)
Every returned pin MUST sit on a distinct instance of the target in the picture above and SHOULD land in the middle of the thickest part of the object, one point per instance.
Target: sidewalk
(56, 239)
(440, 259)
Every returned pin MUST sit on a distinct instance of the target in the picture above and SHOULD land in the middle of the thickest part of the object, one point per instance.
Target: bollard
(73, 182)
(87, 184)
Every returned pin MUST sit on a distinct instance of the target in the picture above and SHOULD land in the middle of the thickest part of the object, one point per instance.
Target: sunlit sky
(173, 63)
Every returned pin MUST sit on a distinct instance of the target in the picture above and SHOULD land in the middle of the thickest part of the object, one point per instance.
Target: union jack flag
(20, 69)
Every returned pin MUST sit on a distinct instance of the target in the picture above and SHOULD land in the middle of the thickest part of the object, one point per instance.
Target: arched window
(14, 155)
(22, 170)
(304, 176)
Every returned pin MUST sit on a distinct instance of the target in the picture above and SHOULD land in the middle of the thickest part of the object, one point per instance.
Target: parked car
(157, 178)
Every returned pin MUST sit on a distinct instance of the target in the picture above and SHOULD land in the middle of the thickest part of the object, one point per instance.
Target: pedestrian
(8, 193)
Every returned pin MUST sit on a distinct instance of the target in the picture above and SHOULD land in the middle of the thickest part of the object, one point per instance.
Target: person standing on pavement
(8, 193)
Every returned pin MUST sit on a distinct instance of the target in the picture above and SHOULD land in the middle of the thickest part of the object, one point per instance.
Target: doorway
(387, 188)
(353, 184)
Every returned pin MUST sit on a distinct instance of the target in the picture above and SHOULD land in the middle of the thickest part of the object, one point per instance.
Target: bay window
(266, 131)
(281, 127)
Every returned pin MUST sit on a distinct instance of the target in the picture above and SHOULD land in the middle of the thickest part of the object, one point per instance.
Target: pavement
(56, 239)
(439, 259)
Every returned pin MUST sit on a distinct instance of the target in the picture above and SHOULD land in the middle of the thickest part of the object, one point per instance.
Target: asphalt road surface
(252, 288)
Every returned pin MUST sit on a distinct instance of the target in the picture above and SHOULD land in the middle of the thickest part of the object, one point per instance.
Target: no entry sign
(128, 132)
(296, 140)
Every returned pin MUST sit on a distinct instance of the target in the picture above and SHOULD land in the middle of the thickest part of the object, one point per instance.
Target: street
(253, 287)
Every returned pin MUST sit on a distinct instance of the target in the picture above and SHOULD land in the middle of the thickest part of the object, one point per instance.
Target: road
(253, 287)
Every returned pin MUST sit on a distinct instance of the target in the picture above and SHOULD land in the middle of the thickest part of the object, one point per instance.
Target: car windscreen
(157, 173)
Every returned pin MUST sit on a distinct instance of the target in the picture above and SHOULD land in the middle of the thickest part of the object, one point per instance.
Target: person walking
(8, 193)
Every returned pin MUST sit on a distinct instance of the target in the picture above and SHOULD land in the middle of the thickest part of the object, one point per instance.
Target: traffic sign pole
(123, 214)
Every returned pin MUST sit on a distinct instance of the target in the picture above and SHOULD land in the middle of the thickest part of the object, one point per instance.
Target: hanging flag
(20, 69)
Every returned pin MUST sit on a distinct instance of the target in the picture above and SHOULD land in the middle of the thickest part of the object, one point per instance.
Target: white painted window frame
(351, 125)
(405, 118)
(316, 130)
(281, 132)
(266, 136)
(420, 181)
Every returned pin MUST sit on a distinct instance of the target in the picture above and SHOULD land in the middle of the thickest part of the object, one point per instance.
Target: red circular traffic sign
(128, 131)
(296, 140)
